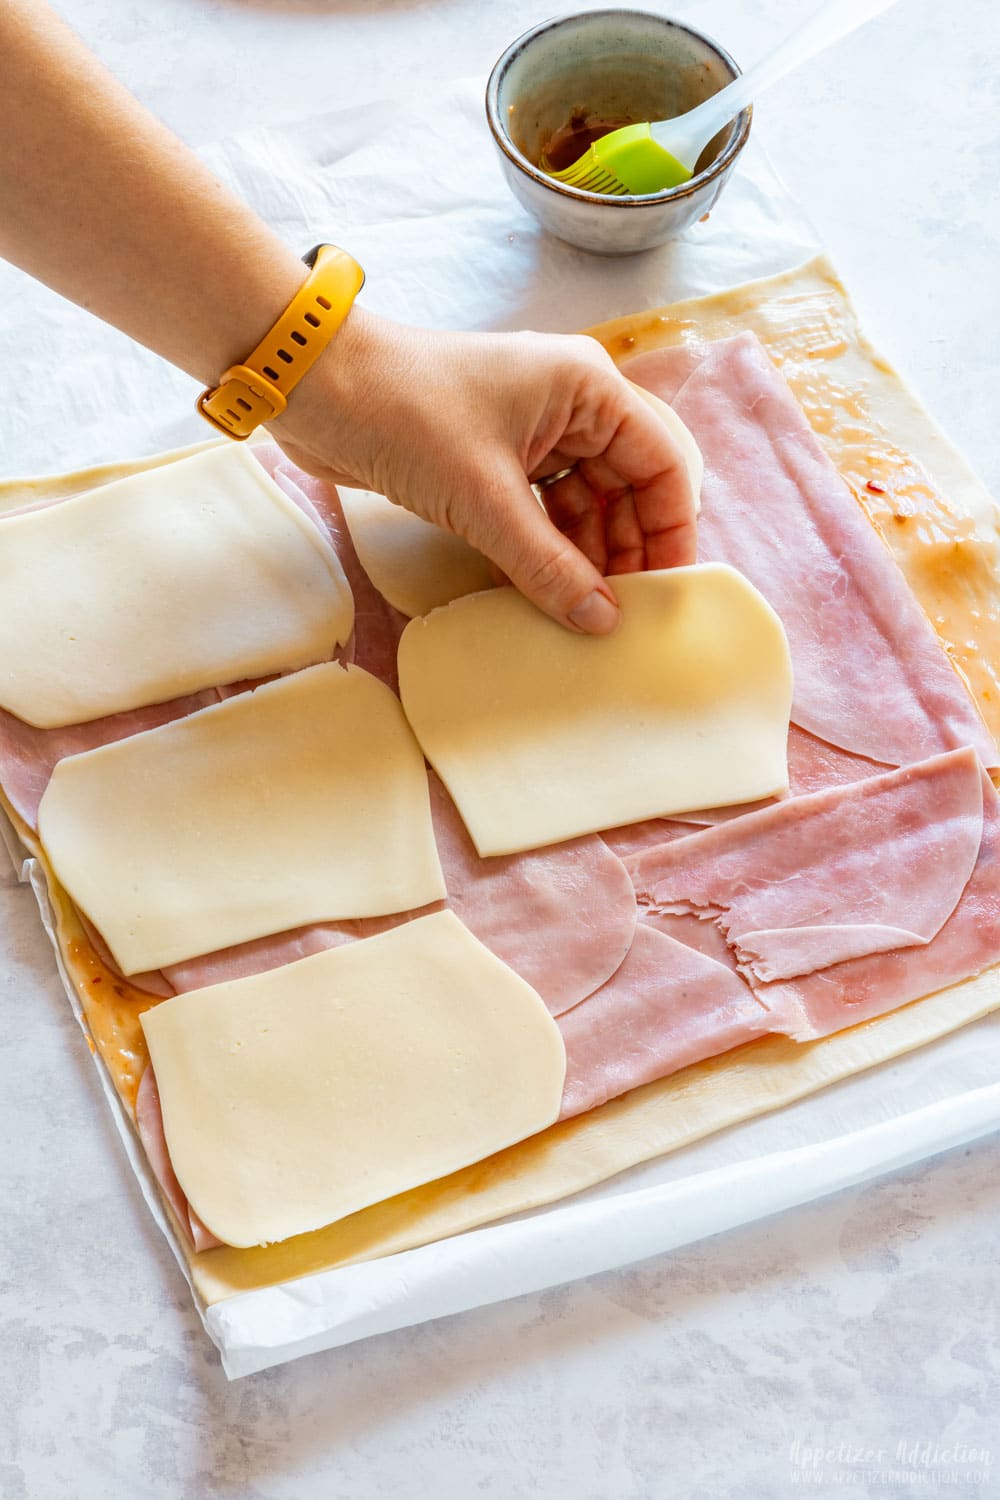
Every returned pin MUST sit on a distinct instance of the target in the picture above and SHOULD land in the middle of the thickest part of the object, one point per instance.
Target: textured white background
(868, 1320)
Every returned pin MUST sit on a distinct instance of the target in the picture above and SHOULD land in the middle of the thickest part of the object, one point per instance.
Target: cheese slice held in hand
(295, 1097)
(541, 735)
(415, 565)
(156, 585)
(304, 801)
(682, 435)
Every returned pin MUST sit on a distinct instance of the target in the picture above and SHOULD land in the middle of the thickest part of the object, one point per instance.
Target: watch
(257, 390)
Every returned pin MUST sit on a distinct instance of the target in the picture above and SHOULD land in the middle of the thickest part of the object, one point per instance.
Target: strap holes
(324, 303)
(245, 404)
(232, 414)
(312, 320)
(284, 354)
(299, 338)
(271, 374)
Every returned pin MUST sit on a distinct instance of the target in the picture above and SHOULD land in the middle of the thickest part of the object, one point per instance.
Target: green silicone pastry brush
(648, 158)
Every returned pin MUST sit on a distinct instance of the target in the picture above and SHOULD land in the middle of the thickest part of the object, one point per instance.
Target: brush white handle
(688, 135)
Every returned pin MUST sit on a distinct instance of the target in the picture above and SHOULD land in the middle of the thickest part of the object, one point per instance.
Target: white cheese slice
(413, 564)
(541, 735)
(303, 801)
(173, 579)
(295, 1097)
(683, 437)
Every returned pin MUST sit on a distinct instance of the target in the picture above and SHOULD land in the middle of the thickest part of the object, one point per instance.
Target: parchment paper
(450, 248)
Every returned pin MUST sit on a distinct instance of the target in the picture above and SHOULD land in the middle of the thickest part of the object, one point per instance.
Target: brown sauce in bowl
(567, 144)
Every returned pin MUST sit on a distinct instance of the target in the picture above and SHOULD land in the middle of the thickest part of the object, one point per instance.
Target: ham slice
(813, 764)
(563, 917)
(783, 863)
(632, 838)
(693, 932)
(828, 1000)
(667, 1006)
(871, 676)
(924, 841)
(149, 1124)
(821, 879)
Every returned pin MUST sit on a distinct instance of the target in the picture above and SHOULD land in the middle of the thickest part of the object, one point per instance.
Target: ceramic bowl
(609, 64)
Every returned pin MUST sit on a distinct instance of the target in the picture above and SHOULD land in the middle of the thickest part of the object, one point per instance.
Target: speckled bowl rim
(579, 195)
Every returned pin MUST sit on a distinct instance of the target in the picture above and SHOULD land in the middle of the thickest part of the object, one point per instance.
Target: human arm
(102, 202)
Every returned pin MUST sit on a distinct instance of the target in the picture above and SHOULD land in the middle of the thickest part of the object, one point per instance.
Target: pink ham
(666, 1007)
(969, 942)
(871, 677)
(674, 1001)
(813, 764)
(632, 838)
(820, 879)
(561, 917)
(664, 371)
(693, 932)
(149, 1124)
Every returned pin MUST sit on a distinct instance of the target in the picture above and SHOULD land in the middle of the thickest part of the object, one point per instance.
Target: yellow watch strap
(257, 390)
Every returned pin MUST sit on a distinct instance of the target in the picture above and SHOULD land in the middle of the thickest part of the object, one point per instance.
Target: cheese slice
(541, 735)
(690, 453)
(169, 580)
(18, 494)
(295, 1097)
(413, 564)
(303, 801)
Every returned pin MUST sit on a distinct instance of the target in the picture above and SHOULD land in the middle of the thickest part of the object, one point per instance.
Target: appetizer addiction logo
(918, 1462)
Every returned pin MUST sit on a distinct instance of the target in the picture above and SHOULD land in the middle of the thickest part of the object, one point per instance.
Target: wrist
(256, 389)
(329, 412)
(248, 306)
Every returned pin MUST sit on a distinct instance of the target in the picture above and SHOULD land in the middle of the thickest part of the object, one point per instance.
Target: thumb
(514, 532)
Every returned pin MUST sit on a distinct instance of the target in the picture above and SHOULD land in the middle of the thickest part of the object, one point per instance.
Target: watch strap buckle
(241, 401)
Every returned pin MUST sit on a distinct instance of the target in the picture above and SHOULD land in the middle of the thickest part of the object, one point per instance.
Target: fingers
(639, 482)
(578, 512)
(649, 524)
(515, 533)
(651, 504)
(601, 515)
(626, 538)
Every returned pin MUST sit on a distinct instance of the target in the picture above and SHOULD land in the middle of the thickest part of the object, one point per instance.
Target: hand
(454, 427)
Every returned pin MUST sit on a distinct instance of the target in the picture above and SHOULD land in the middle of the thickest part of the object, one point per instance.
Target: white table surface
(865, 1322)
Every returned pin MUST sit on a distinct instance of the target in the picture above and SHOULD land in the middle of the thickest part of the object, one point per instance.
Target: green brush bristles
(625, 162)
